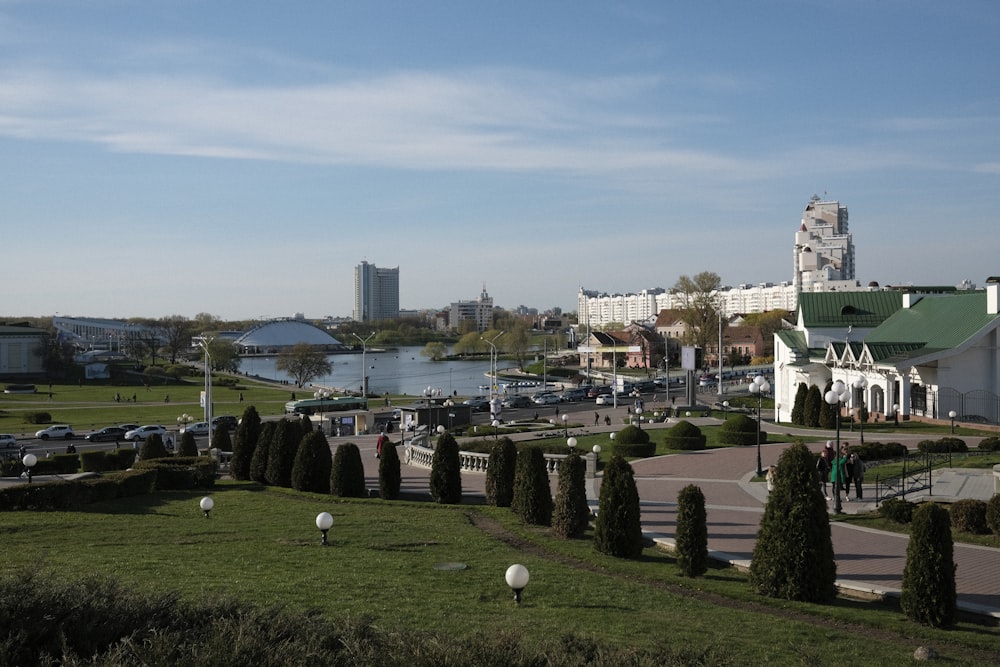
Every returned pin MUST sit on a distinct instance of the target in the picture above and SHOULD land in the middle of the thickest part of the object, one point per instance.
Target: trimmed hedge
(880, 451)
(181, 472)
(70, 494)
(740, 430)
(942, 446)
(59, 464)
(632, 441)
(685, 435)
(990, 444)
(896, 509)
(969, 516)
(993, 514)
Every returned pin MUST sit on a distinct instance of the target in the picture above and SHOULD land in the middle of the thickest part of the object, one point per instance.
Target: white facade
(376, 293)
(824, 250)
(480, 311)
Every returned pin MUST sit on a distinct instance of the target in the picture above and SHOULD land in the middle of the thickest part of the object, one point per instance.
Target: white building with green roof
(921, 353)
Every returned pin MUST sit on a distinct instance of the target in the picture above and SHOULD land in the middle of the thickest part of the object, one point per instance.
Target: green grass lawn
(390, 561)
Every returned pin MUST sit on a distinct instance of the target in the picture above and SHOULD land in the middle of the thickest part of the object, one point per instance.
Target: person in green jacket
(838, 473)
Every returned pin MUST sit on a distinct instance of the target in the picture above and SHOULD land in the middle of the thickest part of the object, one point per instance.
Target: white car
(7, 440)
(197, 428)
(144, 432)
(545, 399)
(64, 431)
(604, 399)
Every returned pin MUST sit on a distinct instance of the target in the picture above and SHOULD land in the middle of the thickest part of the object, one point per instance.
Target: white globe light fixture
(517, 578)
(29, 462)
(206, 505)
(571, 443)
(324, 521)
(837, 394)
(759, 387)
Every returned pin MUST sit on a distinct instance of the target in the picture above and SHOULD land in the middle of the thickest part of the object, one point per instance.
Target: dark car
(517, 402)
(603, 390)
(106, 434)
(478, 403)
(573, 395)
(227, 422)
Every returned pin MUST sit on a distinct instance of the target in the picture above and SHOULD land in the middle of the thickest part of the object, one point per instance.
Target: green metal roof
(936, 322)
(793, 339)
(842, 309)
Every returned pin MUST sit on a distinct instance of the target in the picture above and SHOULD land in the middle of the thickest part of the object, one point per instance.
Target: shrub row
(99, 460)
(65, 495)
(880, 451)
(942, 446)
(741, 430)
(181, 472)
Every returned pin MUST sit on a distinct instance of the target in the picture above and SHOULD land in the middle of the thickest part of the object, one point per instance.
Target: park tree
(769, 322)
(692, 532)
(390, 478)
(187, 445)
(56, 356)
(571, 513)
(532, 501)
(700, 309)
(153, 448)
(814, 403)
(304, 363)
(281, 456)
(313, 464)
(176, 331)
(793, 558)
(500, 472)
(347, 478)
(470, 344)
(245, 442)
(929, 595)
(262, 452)
(618, 529)
(799, 406)
(434, 350)
(223, 354)
(446, 471)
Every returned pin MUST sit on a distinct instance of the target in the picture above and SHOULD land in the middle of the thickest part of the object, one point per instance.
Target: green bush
(897, 509)
(618, 528)
(95, 460)
(347, 476)
(741, 430)
(993, 514)
(798, 407)
(942, 446)
(969, 516)
(571, 513)
(446, 471)
(174, 473)
(220, 439)
(990, 444)
(632, 441)
(245, 442)
(532, 501)
(390, 476)
(262, 453)
(692, 532)
(928, 590)
(880, 451)
(281, 453)
(500, 473)
(187, 446)
(59, 464)
(38, 417)
(68, 495)
(313, 464)
(685, 435)
(793, 558)
(153, 448)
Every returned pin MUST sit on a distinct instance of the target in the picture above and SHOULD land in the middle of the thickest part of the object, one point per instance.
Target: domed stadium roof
(286, 333)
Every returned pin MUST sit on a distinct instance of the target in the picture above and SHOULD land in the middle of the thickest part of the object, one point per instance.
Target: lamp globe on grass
(324, 521)
(517, 579)
(206, 505)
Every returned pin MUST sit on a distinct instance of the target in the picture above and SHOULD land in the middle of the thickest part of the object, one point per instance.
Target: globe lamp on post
(759, 386)
(206, 505)
(835, 397)
(565, 422)
(324, 521)
(951, 415)
(571, 443)
(29, 462)
(860, 385)
(517, 578)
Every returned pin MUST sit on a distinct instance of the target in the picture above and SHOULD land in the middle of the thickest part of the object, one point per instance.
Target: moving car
(64, 431)
(7, 440)
(478, 403)
(605, 399)
(545, 399)
(106, 434)
(573, 395)
(517, 402)
(144, 432)
(197, 428)
(227, 422)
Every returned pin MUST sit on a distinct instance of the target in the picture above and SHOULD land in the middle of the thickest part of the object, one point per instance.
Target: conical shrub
(446, 471)
(244, 443)
(500, 473)
(187, 446)
(390, 478)
(153, 448)
(532, 501)
(692, 532)
(571, 513)
(347, 478)
(929, 595)
(313, 464)
(618, 529)
(262, 453)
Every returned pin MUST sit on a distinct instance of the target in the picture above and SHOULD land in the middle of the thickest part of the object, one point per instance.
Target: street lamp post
(836, 396)
(493, 362)
(951, 415)
(565, 417)
(321, 395)
(571, 443)
(759, 386)
(29, 462)
(725, 410)
(496, 428)
(364, 368)
(860, 385)
(204, 343)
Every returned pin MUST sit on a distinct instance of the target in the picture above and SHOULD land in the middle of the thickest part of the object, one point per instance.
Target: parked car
(605, 399)
(144, 432)
(519, 401)
(106, 434)
(197, 428)
(228, 422)
(7, 440)
(129, 427)
(573, 395)
(601, 390)
(64, 431)
(478, 403)
(545, 399)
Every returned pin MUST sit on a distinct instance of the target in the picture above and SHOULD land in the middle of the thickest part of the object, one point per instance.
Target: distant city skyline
(166, 158)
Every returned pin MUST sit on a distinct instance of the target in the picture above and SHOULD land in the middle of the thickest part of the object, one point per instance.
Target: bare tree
(701, 309)
(176, 330)
(304, 363)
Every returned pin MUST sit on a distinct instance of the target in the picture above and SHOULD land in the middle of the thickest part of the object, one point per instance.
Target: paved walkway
(869, 562)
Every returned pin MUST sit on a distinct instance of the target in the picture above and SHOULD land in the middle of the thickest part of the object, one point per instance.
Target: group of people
(841, 472)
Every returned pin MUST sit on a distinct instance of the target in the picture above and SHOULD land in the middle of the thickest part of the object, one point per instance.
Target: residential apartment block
(376, 293)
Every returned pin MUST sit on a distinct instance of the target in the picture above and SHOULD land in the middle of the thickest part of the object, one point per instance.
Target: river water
(399, 371)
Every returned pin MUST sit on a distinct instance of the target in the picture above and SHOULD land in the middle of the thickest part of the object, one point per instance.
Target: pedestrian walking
(838, 474)
(823, 468)
(597, 418)
(857, 467)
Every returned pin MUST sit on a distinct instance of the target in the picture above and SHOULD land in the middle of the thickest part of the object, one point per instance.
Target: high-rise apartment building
(376, 293)
(479, 311)
(824, 250)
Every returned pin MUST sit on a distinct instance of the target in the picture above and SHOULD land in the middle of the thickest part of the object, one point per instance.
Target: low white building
(921, 353)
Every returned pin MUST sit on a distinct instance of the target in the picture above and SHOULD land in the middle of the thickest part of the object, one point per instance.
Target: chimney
(992, 298)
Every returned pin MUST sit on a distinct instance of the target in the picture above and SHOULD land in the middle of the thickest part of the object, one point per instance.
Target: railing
(909, 481)
(417, 453)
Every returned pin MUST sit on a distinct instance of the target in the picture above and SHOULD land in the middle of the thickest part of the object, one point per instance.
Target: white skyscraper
(376, 293)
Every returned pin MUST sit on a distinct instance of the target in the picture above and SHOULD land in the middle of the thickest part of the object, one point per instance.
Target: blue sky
(240, 158)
